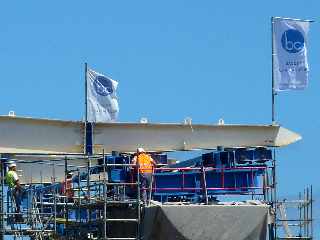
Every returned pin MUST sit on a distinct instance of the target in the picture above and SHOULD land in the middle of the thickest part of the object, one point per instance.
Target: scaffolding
(295, 220)
(48, 213)
(95, 206)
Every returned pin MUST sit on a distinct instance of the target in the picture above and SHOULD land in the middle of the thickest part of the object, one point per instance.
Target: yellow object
(11, 178)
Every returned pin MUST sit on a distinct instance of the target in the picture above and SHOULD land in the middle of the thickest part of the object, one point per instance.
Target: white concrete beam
(29, 135)
(126, 137)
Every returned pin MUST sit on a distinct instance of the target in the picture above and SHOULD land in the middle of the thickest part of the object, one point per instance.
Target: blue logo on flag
(103, 85)
(292, 41)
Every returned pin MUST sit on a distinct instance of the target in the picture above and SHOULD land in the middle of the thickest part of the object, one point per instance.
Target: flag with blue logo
(290, 65)
(102, 102)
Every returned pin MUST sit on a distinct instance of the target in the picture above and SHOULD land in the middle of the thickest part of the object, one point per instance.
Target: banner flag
(290, 65)
(102, 102)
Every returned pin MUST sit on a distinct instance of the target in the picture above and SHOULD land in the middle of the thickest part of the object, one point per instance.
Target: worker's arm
(18, 184)
(153, 162)
(16, 179)
(134, 160)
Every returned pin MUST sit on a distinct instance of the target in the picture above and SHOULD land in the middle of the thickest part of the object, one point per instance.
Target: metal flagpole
(274, 93)
(274, 182)
(88, 126)
(86, 107)
(273, 90)
(86, 91)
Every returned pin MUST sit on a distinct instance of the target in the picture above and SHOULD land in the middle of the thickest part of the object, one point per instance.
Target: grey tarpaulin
(204, 222)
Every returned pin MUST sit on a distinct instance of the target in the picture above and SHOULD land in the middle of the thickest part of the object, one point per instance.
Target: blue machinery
(106, 182)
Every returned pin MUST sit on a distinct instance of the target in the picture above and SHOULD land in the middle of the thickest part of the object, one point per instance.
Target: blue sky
(202, 59)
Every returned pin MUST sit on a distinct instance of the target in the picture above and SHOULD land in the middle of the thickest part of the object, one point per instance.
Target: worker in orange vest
(145, 165)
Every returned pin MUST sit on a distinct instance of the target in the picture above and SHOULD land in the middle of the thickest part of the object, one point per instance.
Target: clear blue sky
(173, 59)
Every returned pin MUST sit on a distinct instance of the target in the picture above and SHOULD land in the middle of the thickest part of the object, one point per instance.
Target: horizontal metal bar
(122, 220)
(122, 202)
(117, 184)
(58, 204)
(294, 220)
(301, 238)
(208, 188)
(121, 238)
(24, 230)
(119, 165)
(27, 214)
(211, 168)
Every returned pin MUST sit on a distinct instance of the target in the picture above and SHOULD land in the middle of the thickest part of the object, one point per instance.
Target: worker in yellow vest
(145, 165)
(15, 188)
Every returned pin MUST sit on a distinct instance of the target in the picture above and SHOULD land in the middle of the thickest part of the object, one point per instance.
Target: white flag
(102, 101)
(290, 48)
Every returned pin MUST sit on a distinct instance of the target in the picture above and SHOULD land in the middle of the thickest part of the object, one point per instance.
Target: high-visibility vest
(11, 178)
(145, 163)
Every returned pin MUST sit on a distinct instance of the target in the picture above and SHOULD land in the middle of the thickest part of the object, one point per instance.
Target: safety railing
(211, 180)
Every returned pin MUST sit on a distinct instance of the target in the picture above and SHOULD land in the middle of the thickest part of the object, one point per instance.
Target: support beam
(29, 135)
(126, 137)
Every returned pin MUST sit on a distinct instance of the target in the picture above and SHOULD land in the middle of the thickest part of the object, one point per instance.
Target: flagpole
(272, 69)
(86, 108)
(86, 91)
(274, 198)
(274, 93)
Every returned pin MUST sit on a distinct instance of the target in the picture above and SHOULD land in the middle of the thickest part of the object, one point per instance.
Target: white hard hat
(140, 150)
(12, 164)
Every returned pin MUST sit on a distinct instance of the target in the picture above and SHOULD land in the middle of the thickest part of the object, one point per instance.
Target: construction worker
(67, 187)
(15, 188)
(145, 165)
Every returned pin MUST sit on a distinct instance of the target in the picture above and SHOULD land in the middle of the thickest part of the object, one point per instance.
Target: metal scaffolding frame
(88, 196)
(295, 218)
(49, 212)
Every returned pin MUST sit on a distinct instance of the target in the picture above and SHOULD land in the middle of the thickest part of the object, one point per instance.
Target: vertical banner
(102, 102)
(290, 65)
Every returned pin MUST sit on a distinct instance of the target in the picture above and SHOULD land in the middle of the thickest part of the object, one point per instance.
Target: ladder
(36, 220)
(283, 215)
(121, 202)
